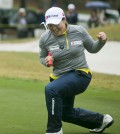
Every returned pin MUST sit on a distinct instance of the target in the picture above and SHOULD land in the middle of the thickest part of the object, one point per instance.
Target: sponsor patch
(74, 43)
(54, 48)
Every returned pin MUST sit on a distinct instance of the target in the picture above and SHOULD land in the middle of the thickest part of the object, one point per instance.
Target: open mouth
(56, 31)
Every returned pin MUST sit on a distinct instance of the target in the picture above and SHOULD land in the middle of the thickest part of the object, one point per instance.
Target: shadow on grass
(78, 133)
(86, 133)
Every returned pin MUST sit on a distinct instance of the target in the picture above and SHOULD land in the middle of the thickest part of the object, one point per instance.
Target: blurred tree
(23, 3)
(62, 3)
(46, 4)
(53, 3)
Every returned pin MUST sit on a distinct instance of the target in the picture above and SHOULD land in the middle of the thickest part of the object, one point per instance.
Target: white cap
(22, 10)
(54, 15)
(71, 6)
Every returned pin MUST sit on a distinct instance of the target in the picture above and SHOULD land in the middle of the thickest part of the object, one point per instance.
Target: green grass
(22, 102)
(22, 107)
(112, 31)
(23, 111)
(22, 65)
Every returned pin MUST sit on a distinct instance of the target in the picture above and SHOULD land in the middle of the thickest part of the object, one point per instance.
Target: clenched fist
(102, 37)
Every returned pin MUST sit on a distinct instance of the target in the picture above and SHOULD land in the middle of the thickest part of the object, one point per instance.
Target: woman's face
(58, 29)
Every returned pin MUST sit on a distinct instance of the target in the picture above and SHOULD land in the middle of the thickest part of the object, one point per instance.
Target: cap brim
(53, 21)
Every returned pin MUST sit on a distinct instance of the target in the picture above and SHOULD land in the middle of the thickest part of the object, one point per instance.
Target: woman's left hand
(102, 37)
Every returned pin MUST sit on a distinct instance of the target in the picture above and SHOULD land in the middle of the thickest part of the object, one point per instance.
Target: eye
(50, 26)
(57, 25)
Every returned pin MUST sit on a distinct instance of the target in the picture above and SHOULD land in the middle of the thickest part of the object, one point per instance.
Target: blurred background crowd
(22, 18)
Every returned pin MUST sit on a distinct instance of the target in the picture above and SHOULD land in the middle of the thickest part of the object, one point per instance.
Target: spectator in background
(1, 27)
(32, 22)
(40, 15)
(72, 16)
(119, 11)
(102, 17)
(20, 20)
(93, 20)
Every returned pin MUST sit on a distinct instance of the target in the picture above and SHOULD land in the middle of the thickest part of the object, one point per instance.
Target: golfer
(62, 46)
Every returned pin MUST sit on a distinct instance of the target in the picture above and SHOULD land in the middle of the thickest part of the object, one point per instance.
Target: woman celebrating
(62, 46)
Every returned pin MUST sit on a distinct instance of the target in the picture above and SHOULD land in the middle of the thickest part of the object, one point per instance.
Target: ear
(64, 20)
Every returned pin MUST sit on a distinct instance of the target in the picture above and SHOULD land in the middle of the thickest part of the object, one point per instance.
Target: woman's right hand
(49, 61)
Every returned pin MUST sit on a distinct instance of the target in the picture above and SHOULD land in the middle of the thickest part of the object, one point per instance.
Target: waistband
(86, 70)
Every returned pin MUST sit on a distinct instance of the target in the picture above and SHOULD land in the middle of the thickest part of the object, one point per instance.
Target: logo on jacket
(54, 47)
(74, 43)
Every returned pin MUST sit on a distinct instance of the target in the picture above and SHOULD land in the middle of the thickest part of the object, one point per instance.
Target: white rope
(43, 23)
